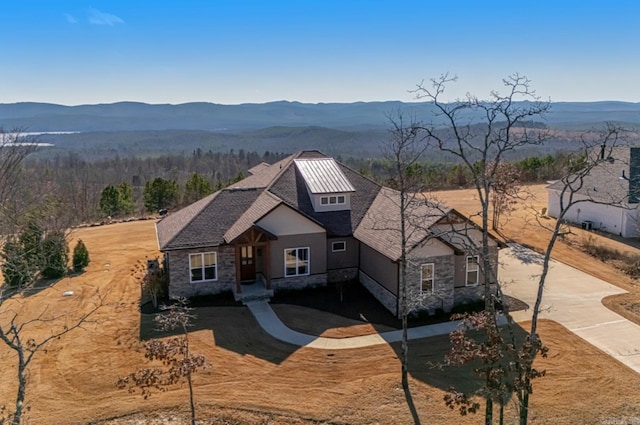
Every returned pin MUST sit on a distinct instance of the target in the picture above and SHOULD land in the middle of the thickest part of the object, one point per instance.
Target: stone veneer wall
(443, 293)
(342, 275)
(386, 298)
(299, 282)
(179, 273)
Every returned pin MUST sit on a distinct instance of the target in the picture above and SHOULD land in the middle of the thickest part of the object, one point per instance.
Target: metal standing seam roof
(323, 175)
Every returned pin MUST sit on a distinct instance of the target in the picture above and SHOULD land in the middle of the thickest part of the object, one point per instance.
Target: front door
(247, 264)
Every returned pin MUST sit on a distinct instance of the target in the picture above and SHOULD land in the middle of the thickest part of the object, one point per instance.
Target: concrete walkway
(272, 324)
(572, 298)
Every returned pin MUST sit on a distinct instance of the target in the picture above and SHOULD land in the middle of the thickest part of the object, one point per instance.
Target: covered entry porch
(253, 265)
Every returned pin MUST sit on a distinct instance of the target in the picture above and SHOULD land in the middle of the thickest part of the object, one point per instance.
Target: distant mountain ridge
(136, 116)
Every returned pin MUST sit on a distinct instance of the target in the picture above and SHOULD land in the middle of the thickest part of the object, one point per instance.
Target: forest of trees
(87, 191)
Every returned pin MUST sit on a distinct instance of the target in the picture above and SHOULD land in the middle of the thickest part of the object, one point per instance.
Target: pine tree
(197, 187)
(80, 257)
(160, 193)
(55, 255)
(15, 267)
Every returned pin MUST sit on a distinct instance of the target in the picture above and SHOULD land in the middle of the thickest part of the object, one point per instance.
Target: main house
(308, 221)
(606, 197)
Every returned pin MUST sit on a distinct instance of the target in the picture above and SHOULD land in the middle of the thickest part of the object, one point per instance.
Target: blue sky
(237, 51)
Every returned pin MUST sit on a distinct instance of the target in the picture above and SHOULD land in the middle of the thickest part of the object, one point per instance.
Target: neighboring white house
(608, 196)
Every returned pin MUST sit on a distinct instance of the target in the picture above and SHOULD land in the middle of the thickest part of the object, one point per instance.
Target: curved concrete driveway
(573, 299)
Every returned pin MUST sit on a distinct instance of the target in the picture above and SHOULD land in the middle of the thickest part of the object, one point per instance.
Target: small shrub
(80, 257)
(591, 247)
(468, 306)
(632, 268)
(55, 253)
(155, 283)
(629, 264)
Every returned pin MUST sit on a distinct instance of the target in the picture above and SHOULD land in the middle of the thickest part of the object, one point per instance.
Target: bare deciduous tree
(480, 133)
(506, 193)
(597, 152)
(404, 152)
(174, 353)
(17, 331)
(15, 146)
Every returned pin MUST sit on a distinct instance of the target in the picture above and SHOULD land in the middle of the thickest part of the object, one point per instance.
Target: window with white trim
(203, 267)
(296, 262)
(473, 270)
(333, 200)
(338, 246)
(427, 278)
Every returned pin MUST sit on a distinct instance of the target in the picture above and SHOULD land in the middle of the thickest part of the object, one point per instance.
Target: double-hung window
(296, 262)
(427, 278)
(203, 267)
(473, 270)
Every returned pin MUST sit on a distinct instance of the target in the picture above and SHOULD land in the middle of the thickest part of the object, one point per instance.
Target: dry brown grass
(255, 379)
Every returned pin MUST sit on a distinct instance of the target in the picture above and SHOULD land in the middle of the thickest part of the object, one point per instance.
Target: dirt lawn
(254, 379)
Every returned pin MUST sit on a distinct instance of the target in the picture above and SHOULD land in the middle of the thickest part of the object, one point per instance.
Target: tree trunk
(192, 404)
(524, 405)
(22, 386)
(405, 354)
(405, 357)
(488, 412)
(191, 401)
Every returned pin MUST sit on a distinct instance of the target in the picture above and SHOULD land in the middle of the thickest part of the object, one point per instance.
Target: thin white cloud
(97, 17)
(70, 18)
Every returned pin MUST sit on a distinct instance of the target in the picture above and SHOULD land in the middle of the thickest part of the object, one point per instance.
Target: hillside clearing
(254, 379)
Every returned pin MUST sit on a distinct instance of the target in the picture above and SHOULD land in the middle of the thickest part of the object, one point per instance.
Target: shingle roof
(263, 177)
(207, 224)
(172, 224)
(258, 168)
(323, 175)
(223, 216)
(262, 206)
(380, 227)
(608, 181)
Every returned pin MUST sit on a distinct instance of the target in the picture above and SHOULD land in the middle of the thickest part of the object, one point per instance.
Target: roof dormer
(328, 187)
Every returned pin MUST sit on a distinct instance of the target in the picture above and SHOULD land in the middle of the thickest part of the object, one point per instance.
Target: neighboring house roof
(374, 216)
(323, 175)
(610, 181)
